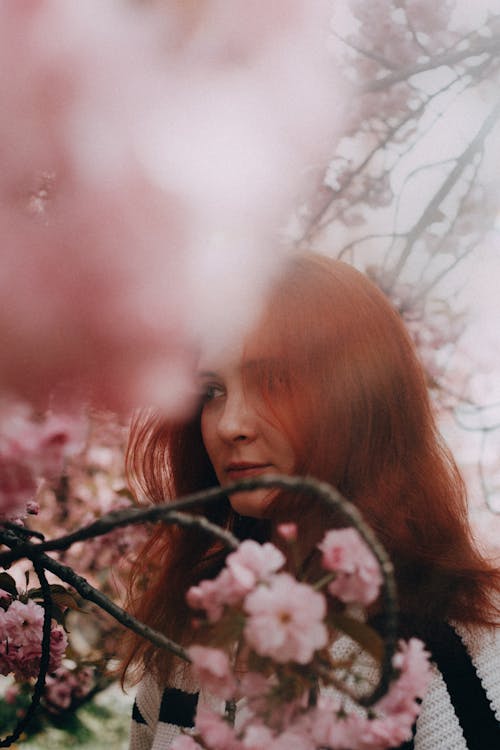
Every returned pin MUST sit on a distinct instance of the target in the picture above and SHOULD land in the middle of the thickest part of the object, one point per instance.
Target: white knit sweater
(437, 726)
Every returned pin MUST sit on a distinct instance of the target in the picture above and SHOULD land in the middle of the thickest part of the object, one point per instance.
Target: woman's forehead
(246, 357)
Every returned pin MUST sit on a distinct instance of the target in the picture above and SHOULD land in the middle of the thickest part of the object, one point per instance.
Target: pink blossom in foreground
(253, 562)
(358, 577)
(285, 620)
(21, 640)
(211, 667)
(31, 449)
(216, 733)
(257, 737)
(207, 595)
(327, 729)
(411, 660)
(185, 742)
(151, 153)
(288, 531)
(292, 739)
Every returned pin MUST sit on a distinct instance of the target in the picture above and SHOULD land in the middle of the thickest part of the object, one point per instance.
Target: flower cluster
(21, 627)
(278, 658)
(30, 449)
(63, 686)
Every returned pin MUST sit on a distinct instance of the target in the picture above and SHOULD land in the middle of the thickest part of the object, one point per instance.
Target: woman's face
(241, 438)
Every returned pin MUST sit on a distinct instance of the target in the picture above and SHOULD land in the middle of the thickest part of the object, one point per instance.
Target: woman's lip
(241, 471)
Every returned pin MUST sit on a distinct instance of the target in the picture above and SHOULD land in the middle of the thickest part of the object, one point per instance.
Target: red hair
(341, 376)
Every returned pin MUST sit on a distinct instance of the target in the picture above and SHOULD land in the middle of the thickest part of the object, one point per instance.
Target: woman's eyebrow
(207, 374)
(253, 364)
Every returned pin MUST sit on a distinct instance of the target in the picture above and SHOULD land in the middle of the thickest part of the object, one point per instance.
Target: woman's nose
(238, 420)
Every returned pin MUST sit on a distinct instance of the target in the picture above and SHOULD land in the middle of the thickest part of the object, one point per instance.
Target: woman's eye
(210, 391)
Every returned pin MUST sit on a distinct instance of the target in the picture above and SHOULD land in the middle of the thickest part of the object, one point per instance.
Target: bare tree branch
(425, 219)
(485, 46)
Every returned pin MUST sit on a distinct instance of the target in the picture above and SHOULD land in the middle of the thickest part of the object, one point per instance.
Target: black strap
(479, 724)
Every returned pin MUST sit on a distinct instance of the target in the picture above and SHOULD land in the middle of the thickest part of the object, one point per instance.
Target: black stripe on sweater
(178, 707)
(136, 714)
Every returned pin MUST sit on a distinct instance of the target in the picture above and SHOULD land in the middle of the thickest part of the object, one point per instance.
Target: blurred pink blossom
(185, 742)
(358, 576)
(207, 595)
(253, 562)
(215, 731)
(285, 620)
(212, 668)
(293, 739)
(150, 154)
(411, 660)
(21, 640)
(63, 685)
(31, 449)
(257, 737)
(288, 531)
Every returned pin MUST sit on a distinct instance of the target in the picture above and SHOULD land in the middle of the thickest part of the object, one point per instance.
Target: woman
(327, 385)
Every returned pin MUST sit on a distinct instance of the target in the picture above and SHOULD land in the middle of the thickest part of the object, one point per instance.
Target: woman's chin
(253, 504)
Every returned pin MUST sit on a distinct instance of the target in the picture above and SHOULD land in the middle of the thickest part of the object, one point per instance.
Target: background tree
(411, 197)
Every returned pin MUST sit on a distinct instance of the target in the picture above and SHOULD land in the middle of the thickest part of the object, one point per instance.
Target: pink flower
(212, 668)
(288, 531)
(257, 737)
(285, 620)
(415, 672)
(185, 742)
(215, 731)
(253, 562)
(370, 734)
(31, 449)
(108, 189)
(254, 685)
(207, 596)
(293, 739)
(358, 577)
(21, 640)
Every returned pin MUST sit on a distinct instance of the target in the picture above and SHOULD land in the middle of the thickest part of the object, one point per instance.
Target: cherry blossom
(412, 682)
(358, 576)
(247, 566)
(253, 562)
(285, 620)
(214, 730)
(212, 668)
(32, 448)
(257, 737)
(288, 531)
(185, 742)
(63, 685)
(21, 640)
(152, 152)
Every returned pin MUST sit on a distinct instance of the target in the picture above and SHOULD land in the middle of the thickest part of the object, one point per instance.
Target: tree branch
(486, 46)
(169, 512)
(462, 162)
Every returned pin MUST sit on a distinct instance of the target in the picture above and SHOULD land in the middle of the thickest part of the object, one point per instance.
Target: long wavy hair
(340, 375)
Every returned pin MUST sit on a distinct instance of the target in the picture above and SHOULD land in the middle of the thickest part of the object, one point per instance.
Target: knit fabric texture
(159, 713)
